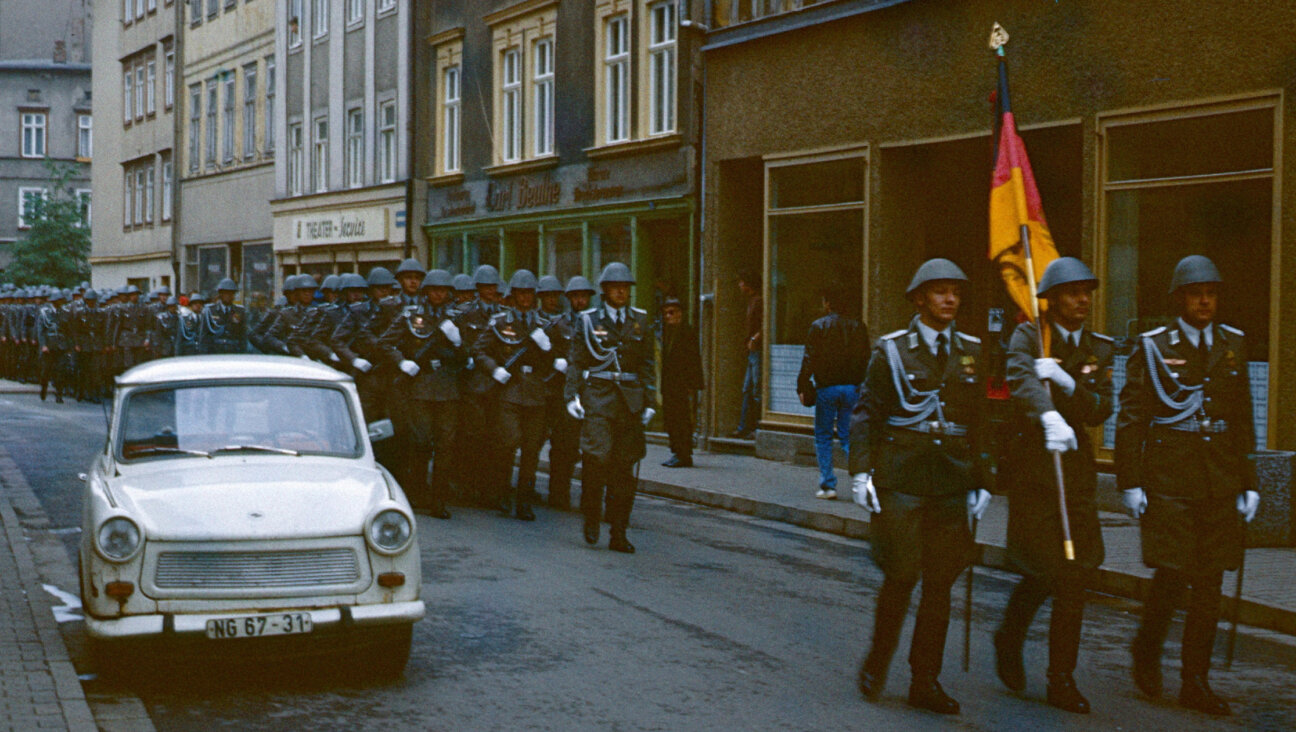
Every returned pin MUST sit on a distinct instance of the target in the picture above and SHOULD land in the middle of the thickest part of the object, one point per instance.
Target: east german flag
(1014, 204)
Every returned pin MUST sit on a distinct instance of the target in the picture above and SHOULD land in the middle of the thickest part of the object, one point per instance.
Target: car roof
(232, 367)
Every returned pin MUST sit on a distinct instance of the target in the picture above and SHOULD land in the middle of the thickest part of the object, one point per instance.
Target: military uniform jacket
(131, 324)
(88, 328)
(416, 336)
(1027, 472)
(1184, 434)
(50, 331)
(473, 323)
(223, 329)
(920, 430)
(358, 333)
(312, 332)
(611, 367)
(188, 324)
(562, 326)
(166, 333)
(275, 337)
(508, 338)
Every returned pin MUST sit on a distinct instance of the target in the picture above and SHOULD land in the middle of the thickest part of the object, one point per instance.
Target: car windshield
(232, 419)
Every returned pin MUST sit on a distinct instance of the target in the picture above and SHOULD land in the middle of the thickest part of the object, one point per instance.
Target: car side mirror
(381, 430)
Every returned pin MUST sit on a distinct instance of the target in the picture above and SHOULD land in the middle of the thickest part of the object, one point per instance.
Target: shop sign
(598, 186)
(341, 227)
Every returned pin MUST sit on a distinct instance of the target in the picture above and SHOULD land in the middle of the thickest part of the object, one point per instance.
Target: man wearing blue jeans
(749, 284)
(834, 364)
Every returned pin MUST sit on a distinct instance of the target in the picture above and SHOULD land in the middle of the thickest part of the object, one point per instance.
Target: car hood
(251, 499)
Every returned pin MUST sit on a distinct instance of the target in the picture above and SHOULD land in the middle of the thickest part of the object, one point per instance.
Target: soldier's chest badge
(236, 318)
(968, 363)
(600, 332)
(508, 331)
(1230, 359)
(418, 321)
(1090, 366)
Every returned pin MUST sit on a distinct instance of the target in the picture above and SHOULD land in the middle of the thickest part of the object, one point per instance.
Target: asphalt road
(719, 622)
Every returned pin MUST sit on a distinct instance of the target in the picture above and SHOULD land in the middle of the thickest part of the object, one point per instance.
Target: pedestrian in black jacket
(681, 379)
(835, 361)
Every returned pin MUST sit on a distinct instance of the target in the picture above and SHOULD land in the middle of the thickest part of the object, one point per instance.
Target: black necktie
(617, 318)
(942, 354)
(1203, 349)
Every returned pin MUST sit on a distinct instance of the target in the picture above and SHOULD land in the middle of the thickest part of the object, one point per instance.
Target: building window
(195, 11)
(33, 134)
(319, 156)
(355, 11)
(355, 148)
(139, 91)
(151, 80)
(511, 107)
(85, 136)
(213, 8)
(195, 125)
(661, 67)
(294, 23)
(148, 194)
(319, 18)
(450, 127)
(29, 205)
(385, 5)
(128, 202)
(168, 73)
(269, 106)
(543, 93)
(128, 93)
(227, 121)
(139, 9)
(296, 160)
(83, 205)
(127, 15)
(387, 142)
(616, 89)
(249, 110)
(152, 5)
(139, 197)
(213, 102)
(168, 180)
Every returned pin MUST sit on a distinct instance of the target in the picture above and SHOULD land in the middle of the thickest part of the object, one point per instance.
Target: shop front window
(447, 254)
(1197, 181)
(563, 254)
(524, 252)
(610, 243)
(815, 224)
(212, 268)
(483, 249)
(258, 269)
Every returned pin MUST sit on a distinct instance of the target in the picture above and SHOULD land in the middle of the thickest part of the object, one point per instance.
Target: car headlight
(390, 531)
(119, 539)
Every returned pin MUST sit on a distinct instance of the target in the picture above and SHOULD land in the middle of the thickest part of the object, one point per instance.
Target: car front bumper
(195, 624)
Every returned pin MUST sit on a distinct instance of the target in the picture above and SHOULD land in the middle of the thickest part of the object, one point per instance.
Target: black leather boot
(1196, 694)
(1008, 661)
(1063, 694)
(619, 542)
(928, 694)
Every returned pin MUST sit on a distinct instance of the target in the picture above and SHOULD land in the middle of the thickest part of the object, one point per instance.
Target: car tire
(389, 653)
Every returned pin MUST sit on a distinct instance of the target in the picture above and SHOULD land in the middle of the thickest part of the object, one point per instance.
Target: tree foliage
(56, 249)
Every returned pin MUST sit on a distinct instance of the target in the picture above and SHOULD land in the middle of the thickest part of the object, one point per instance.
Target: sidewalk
(785, 493)
(38, 684)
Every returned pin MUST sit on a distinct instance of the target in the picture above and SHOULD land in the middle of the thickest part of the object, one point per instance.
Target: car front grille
(256, 569)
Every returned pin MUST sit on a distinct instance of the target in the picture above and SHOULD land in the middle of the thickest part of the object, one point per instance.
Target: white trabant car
(237, 503)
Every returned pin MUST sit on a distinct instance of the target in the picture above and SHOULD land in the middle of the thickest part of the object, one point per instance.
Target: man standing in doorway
(750, 286)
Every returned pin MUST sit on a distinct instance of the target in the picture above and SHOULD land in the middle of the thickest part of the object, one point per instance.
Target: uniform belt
(613, 376)
(1199, 424)
(936, 427)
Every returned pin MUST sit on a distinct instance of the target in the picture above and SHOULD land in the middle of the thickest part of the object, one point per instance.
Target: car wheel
(388, 653)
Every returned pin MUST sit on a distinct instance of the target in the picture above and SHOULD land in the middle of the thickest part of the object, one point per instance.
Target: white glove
(1247, 504)
(541, 339)
(1135, 501)
(501, 375)
(1048, 369)
(575, 409)
(409, 367)
(560, 365)
(361, 365)
(978, 501)
(864, 492)
(334, 358)
(304, 357)
(1058, 435)
(648, 415)
(452, 332)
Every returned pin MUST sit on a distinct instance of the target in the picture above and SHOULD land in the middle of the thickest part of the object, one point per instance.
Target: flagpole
(998, 39)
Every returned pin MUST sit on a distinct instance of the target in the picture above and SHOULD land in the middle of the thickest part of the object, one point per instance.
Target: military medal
(969, 364)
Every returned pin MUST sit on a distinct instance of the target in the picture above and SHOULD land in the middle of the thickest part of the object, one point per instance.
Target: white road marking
(66, 612)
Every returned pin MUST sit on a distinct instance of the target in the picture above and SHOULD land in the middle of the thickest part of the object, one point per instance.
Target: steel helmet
(352, 281)
(332, 283)
(84, 285)
(227, 285)
(197, 297)
(616, 272)
(437, 278)
(306, 282)
(380, 276)
(1063, 271)
(578, 284)
(549, 283)
(91, 295)
(486, 275)
(411, 265)
(290, 282)
(464, 283)
(129, 290)
(1194, 269)
(56, 295)
(163, 290)
(172, 300)
(934, 270)
(523, 279)
(280, 301)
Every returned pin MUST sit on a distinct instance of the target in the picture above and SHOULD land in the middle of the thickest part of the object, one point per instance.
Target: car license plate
(255, 626)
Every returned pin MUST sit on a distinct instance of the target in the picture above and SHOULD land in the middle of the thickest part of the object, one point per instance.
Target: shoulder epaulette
(1231, 329)
(499, 315)
(894, 334)
(641, 311)
(1154, 332)
(590, 311)
(969, 338)
(1102, 337)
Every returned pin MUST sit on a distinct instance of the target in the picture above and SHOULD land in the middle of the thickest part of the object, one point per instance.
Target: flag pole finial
(998, 39)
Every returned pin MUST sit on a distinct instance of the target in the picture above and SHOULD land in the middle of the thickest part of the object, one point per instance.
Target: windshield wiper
(258, 448)
(160, 449)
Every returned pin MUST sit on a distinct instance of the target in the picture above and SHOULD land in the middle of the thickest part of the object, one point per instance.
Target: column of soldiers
(919, 459)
